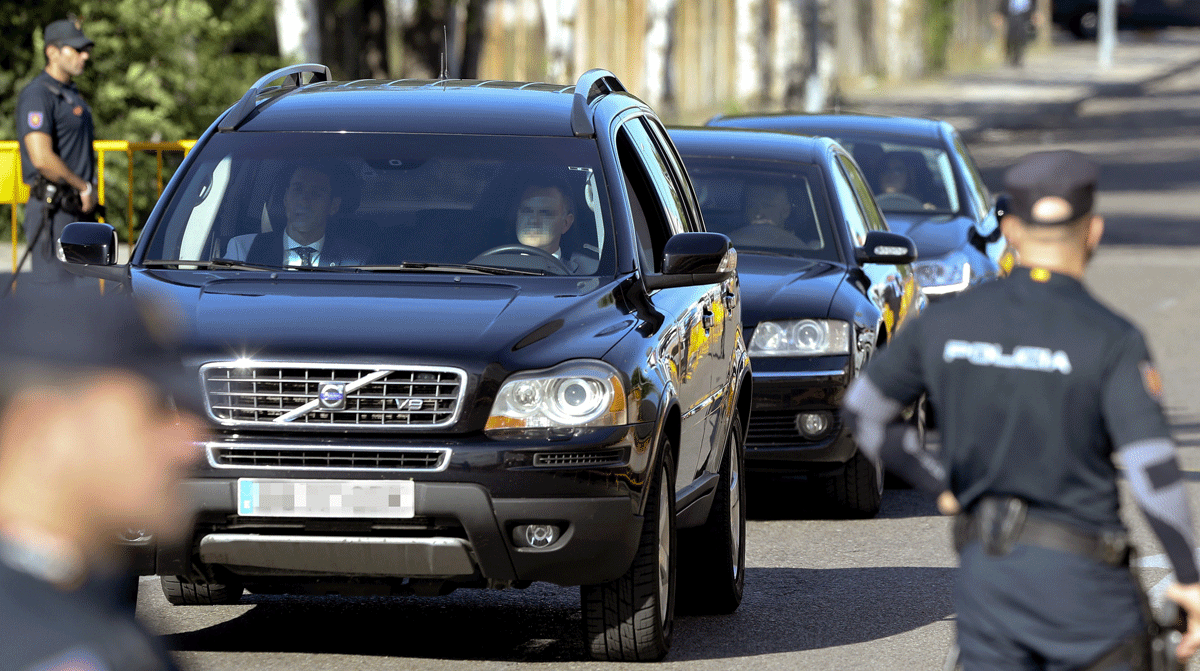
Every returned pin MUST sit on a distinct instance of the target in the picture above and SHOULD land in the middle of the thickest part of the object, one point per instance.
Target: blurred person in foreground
(95, 434)
(1036, 385)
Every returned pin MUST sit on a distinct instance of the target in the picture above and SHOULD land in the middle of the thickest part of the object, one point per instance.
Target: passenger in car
(768, 210)
(547, 211)
(313, 195)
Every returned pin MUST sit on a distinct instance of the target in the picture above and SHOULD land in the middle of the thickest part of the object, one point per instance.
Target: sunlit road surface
(820, 594)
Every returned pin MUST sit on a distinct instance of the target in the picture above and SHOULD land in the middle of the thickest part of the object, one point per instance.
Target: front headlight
(801, 337)
(944, 275)
(576, 394)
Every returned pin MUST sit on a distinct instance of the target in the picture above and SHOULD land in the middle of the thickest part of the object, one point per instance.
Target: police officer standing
(54, 126)
(1036, 385)
(1016, 18)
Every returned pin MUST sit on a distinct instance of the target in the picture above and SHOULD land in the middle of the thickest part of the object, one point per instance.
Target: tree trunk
(299, 31)
(558, 16)
(656, 78)
(749, 19)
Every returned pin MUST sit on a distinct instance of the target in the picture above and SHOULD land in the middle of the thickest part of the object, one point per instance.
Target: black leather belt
(1001, 522)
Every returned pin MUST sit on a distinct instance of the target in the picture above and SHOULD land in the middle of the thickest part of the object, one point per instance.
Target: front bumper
(774, 443)
(462, 529)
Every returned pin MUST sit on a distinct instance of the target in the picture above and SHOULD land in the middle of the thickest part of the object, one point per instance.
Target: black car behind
(927, 185)
(824, 284)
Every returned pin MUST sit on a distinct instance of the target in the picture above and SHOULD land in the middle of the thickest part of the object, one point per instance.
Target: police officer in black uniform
(91, 444)
(54, 126)
(1036, 385)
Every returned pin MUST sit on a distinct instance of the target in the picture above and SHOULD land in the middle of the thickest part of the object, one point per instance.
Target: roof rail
(243, 108)
(591, 85)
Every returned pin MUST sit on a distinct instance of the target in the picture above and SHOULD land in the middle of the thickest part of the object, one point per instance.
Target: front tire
(857, 490)
(713, 566)
(182, 592)
(632, 618)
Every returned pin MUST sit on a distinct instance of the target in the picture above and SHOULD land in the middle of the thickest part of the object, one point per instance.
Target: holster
(62, 196)
(996, 521)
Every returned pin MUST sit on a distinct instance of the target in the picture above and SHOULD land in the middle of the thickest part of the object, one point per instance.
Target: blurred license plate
(325, 498)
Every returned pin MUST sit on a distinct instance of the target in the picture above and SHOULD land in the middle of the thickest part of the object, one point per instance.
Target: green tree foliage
(160, 70)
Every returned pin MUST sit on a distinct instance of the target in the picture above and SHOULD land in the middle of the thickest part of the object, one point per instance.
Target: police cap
(57, 330)
(1049, 188)
(68, 32)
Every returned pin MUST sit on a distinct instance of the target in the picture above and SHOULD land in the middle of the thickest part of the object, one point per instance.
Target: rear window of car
(765, 206)
(404, 198)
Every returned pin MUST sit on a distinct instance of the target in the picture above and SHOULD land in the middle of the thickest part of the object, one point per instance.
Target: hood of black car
(394, 318)
(776, 287)
(934, 235)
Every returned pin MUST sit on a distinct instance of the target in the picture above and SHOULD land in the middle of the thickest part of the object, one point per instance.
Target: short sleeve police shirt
(49, 106)
(1034, 383)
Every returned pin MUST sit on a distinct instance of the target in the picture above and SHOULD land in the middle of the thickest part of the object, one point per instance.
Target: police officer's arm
(892, 381)
(1139, 429)
(35, 106)
(41, 153)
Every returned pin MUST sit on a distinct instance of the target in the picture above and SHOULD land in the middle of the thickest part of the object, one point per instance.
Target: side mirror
(88, 243)
(695, 258)
(885, 247)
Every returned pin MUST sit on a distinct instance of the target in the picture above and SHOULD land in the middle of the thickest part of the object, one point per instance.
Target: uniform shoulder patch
(35, 120)
(1151, 380)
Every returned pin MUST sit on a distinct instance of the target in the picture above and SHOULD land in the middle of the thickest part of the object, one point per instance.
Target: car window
(906, 177)
(852, 214)
(975, 185)
(678, 171)
(765, 206)
(391, 199)
(862, 192)
(650, 226)
(658, 169)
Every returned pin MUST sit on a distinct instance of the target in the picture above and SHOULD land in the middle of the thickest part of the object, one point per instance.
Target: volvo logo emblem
(332, 396)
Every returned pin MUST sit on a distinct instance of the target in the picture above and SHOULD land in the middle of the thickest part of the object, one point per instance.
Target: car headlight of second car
(576, 394)
(801, 337)
(944, 275)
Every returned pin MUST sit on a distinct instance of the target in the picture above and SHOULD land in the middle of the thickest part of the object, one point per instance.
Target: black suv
(458, 334)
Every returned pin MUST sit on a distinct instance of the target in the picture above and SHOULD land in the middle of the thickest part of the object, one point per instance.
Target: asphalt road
(820, 594)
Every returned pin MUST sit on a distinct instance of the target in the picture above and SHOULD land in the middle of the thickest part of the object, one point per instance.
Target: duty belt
(1000, 522)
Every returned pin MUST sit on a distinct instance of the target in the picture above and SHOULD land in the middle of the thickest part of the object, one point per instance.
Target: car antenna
(445, 43)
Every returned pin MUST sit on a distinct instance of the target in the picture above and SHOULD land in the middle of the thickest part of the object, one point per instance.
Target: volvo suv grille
(333, 396)
(323, 458)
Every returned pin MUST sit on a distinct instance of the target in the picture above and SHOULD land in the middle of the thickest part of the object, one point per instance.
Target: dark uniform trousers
(46, 268)
(1067, 611)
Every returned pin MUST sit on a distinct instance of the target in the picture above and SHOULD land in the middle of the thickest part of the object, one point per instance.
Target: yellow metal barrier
(14, 192)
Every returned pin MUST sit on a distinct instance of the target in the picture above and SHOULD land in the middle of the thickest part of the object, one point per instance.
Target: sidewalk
(1046, 92)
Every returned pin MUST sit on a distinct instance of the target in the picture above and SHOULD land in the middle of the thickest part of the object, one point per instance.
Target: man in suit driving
(313, 195)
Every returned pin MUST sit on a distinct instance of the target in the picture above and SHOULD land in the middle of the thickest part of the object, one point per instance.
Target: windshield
(765, 206)
(906, 178)
(390, 203)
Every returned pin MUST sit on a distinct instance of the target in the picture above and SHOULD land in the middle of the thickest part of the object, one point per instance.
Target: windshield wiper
(233, 264)
(215, 263)
(449, 268)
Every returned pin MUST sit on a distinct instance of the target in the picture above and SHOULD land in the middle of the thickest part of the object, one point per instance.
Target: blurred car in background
(1082, 17)
(824, 284)
(927, 185)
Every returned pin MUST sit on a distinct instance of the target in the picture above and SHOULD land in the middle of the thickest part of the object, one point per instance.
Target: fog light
(813, 425)
(536, 535)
